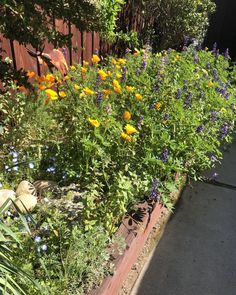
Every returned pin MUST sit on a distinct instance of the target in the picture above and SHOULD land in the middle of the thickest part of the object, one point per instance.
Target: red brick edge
(135, 236)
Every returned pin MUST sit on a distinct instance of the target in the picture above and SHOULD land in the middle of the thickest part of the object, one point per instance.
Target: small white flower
(31, 165)
(44, 247)
(46, 200)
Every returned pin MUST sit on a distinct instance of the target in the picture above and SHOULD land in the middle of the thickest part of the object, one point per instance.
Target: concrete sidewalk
(197, 253)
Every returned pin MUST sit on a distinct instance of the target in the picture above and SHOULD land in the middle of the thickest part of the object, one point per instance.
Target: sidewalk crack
(218, 183)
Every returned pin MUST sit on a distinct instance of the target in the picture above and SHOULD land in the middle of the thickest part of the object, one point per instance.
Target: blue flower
(208, 66)
(51, 169)
(213, 159)
(154, 193)
(178, 94)
(164, 156)
(223, 130)
(199, 128)
(99, 97)
(188, 102)
(37, 239)
(226, 53)
(214, 176)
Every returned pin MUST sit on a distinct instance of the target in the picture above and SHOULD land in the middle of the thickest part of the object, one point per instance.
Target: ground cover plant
(118, 129)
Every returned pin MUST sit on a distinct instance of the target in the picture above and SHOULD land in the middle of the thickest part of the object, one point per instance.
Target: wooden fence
(83, 46)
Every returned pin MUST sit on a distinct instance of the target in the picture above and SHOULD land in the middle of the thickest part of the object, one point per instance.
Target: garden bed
(110, 134)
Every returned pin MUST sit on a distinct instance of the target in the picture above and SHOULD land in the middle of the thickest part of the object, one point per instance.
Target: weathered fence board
(83, 46)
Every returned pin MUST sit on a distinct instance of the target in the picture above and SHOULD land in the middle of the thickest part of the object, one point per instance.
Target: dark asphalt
(197, 253)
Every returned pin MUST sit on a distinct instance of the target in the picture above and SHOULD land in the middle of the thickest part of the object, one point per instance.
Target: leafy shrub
(118, 127)
(165, 23)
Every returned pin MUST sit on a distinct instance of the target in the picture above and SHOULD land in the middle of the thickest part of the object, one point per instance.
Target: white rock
(28, 200)
(25, 187)
(6, 194)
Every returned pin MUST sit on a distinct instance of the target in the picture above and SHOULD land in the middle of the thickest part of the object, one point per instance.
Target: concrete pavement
(197, 253)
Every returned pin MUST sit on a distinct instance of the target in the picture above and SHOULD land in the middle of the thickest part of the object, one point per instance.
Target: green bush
(165, 23)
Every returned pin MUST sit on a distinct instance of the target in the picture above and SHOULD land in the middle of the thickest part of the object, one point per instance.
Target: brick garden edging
(135, 235)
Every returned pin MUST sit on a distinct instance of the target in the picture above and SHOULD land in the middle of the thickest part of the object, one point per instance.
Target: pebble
(25, 187)
(29, 201)
(6, 194)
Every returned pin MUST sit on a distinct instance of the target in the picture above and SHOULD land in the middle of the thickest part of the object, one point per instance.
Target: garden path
(197, 253)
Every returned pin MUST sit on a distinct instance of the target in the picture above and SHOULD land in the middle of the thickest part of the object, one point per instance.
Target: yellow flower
(51, 94)
(130, 88)
(66, 77)
(49, 85)
(88, 91)
(95, 59)
(118, 76)
(85, 63)
(109, 73)
(113, 61)
(122, 61)
(116, 83)
(62, 94)
(49, 78)
(158, 106)
(82, 95)
(83, 70)
(116, 86)
(126, 137)
(130, 129)
(127, 115)
(94, 123)
(30, 74)
(117, 89)
(106, 92)
(138, 96)
(72, 68)
(42, 87)
(223, 110)
(76, 86)
(206, 48)
(118, 67)
(137, 52)
(210, 84)
(103, 75)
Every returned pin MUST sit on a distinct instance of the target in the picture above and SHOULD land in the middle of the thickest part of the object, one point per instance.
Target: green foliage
(121, 129)
(61, 256)
(12, 276)
(165, 23)
(181, 107)
(32, 22)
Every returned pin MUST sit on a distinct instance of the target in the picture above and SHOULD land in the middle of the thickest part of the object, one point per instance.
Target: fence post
(70, 46)
(13, 53)
(92, 42)
(82, 46)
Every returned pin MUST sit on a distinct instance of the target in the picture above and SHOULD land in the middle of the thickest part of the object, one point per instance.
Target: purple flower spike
(154, 193)
(164, 156)
(199, 128)
(226, 54)
(223, 130)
